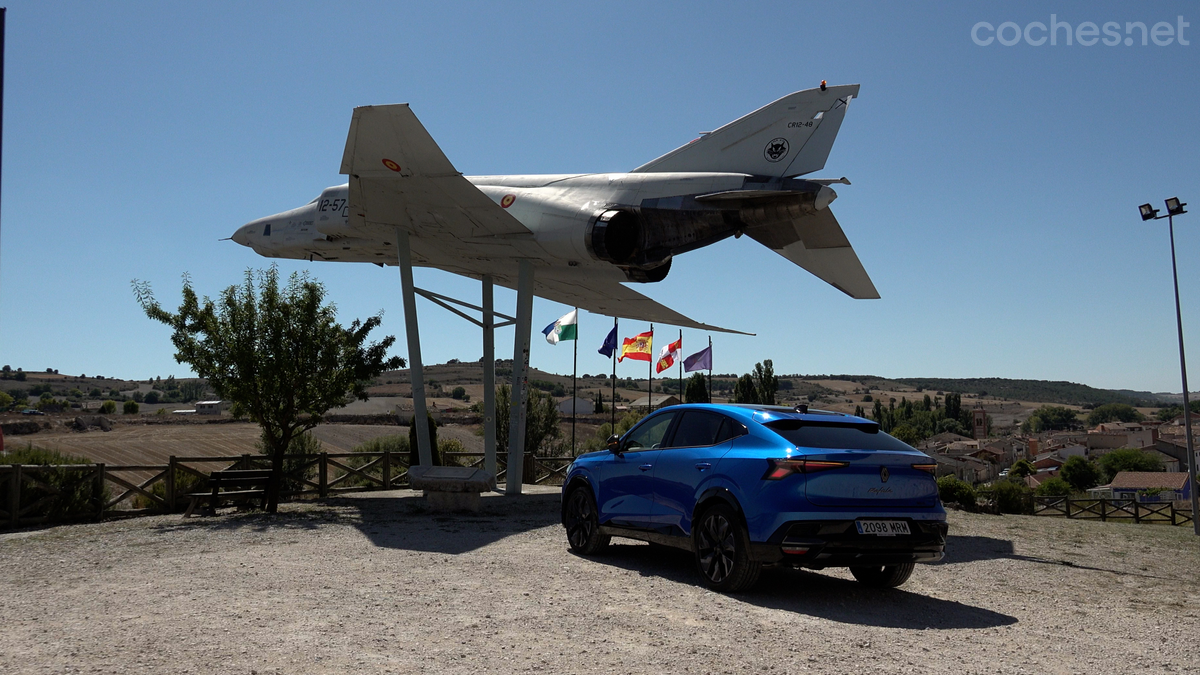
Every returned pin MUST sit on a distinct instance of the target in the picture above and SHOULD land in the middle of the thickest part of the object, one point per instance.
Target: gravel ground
(374, 583)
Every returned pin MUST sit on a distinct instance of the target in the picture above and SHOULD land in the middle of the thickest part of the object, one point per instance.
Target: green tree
(1128, 459)
(1115, 412)
(1022, 468)
(276, 354)
(1172, 411)
(541, 420)
(95, 392)
(907, 433)
(458, 393)
(5, 400)
(744, 390)
(1054, 487)
(192, 391)
(1050, 417)
(765, 382)
(108, 408)
(951, 490)
(1080, 473)
(696, 390)
(130, 408)
(599, 402)
(151, 397)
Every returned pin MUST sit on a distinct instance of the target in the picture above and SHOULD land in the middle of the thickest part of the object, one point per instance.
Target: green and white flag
(563, 329)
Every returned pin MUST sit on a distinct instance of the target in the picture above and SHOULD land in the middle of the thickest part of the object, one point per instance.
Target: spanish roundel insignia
(508, 200)
(391, 165)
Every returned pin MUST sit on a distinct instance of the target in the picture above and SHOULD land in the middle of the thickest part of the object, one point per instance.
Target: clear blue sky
(994, 197)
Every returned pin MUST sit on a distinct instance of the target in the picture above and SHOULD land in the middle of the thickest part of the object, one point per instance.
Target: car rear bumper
(837, 543)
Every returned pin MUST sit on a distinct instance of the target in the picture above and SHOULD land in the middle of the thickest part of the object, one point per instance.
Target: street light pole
(1175, 208)
(1187, 407)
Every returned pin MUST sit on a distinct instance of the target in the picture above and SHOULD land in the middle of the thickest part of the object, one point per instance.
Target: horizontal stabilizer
(790, 137)
(817, 243)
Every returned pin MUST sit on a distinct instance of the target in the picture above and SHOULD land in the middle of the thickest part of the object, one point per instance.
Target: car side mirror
(614, 444)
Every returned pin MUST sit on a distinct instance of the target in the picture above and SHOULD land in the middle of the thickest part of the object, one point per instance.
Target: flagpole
(650, 385)
(574, 391)
(681, 365)
(614, 381)
(710, 400)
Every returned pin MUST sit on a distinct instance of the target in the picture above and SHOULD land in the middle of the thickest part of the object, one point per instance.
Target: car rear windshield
(835, 436)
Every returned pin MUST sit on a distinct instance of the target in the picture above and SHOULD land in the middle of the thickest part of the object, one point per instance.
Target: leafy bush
(458, 393)
(130, 408)
(108, 408)
(1054, 487)
(1012, 497)
(76, 488)
(151, 397)
(396, 444)
(951, 490)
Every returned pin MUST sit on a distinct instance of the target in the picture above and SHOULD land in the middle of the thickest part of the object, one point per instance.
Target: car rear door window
(697, 428)
(649, 434)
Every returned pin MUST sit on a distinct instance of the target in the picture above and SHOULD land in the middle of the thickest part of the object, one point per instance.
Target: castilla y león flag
(669, 355)
(637, 347)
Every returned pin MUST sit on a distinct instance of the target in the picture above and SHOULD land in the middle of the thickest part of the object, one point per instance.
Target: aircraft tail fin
(790, 137)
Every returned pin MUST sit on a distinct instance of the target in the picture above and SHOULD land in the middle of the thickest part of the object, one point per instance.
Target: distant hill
(1066, 393)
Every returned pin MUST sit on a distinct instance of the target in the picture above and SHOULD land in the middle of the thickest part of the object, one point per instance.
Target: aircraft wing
(612, 298)
(400, 177)
(817, 244)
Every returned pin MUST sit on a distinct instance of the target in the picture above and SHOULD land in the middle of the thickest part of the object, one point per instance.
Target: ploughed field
(373, 583)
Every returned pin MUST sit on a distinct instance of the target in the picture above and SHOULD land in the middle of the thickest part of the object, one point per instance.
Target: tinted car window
(697, 428)
(650, 433)
(836, 436)
(730, 429)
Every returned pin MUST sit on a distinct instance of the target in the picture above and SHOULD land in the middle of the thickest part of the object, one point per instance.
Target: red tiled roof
(1140, 480)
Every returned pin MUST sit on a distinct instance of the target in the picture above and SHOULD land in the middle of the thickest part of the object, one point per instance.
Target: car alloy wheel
(583, 527)
(722, 551)
(716, 547)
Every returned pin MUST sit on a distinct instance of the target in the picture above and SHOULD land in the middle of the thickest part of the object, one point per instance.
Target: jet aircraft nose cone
(242, 236)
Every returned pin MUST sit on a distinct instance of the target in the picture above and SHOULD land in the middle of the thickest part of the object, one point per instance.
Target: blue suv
(743, 486)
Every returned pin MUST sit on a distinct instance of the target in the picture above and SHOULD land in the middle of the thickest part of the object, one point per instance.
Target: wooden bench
(240, 484)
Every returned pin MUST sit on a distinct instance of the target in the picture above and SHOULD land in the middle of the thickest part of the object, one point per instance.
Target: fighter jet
(585, 235)
(577, 239)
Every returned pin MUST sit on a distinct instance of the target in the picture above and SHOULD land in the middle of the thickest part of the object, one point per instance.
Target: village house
(1146, 486)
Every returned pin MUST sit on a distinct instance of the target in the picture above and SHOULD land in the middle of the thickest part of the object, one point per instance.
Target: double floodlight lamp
(1174, 208)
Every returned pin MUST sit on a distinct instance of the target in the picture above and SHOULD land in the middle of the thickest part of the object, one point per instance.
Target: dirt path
(374, 584)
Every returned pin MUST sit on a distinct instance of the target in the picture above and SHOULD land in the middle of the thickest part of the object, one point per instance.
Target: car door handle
(646, 467)
(703, 466)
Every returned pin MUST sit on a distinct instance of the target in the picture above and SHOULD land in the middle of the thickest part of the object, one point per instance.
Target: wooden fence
(1112, 509)
(35, 494)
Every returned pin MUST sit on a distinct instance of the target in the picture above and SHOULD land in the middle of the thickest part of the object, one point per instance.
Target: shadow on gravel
(399, 522)
(961, 549)
(815, 594)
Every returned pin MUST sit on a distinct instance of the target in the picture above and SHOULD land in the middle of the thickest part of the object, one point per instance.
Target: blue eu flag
(610, 343)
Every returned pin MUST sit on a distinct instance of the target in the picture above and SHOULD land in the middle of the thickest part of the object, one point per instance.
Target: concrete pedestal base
(452, 501)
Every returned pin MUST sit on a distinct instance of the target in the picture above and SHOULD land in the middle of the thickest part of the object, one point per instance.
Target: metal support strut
(416, 371)
(520, 394)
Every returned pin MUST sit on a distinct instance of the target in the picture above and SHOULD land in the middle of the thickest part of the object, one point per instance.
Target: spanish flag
(637, 347)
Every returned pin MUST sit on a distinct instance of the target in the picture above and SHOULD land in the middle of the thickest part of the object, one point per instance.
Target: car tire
(583, 524)
(722, 550)
(883, 576)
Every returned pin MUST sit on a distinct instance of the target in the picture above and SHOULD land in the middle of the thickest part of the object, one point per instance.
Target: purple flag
(701, 360)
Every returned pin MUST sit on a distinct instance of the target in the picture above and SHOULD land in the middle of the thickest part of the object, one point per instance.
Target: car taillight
(927, 468)
(782, 468)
